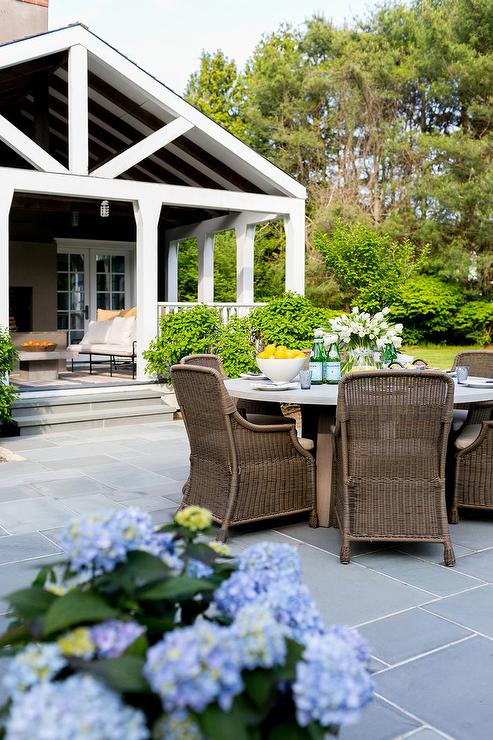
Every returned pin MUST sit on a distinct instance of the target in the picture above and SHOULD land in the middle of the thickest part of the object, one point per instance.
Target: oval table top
(326, 395)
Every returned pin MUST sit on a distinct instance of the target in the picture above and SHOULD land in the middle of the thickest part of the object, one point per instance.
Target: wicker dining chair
(241, 472)
(391, 440)
(480, 364)
(252, 410)
(473, 469)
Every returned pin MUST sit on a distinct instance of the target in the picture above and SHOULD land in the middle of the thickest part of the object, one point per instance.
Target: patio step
(76, 411)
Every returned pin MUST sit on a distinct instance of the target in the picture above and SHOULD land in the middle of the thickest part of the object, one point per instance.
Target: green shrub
(186, 332)
(426, 306)
(8, 393)
(369, 267)
(289, 320)
(234, 345)
(474, 321)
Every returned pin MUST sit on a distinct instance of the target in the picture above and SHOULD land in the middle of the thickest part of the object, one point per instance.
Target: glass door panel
(110, 281)
(72, 268)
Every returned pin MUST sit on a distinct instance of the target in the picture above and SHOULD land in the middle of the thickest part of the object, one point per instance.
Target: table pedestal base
(317, 424)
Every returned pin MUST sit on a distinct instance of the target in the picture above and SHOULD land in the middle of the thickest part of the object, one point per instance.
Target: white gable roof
(157, 100)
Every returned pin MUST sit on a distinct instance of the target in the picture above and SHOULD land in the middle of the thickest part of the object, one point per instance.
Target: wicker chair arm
(269, 440)
(479, 412)
(486, 429)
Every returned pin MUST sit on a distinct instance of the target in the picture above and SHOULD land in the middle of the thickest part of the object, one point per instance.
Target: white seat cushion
(97, 332)
(460, 416)
(106, 349)
(306, 443)
(468, 435)
(121, 330)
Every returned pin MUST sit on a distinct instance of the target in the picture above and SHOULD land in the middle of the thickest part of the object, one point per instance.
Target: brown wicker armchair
(252, 410)
(480, 364)
(241, 472)
(391, 441)
(473, 469)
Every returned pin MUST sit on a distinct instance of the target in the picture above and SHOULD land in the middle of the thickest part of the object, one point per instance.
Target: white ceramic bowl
(281, 371)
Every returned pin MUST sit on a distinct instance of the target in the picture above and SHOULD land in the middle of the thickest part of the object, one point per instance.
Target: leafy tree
(427, 307)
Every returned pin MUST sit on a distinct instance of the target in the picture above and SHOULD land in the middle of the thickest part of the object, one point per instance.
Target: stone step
(48, 406)
(97, 418)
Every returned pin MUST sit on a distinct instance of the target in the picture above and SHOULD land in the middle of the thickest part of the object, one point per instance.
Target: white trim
(78, 118)
(6, 196)
(221, 223)
(50, 43)
(294, 227)
(205, 290)
(27, 148)
(172, 272)
(143, 149)
(245, 241)
(27, 181)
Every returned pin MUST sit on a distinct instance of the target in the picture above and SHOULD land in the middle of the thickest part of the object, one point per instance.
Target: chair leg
(454, 515)
(345, 555)
(90, 364)
(313, 520)
(223, 534)
(449, 555)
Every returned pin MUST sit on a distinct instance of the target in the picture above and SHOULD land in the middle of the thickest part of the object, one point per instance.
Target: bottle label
(317, 371)
(332, 372)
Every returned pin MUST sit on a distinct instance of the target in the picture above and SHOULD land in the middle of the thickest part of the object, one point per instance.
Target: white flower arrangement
(360, 328)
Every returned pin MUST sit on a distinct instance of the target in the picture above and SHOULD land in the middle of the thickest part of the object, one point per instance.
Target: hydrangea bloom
(180, 726)
(219, 547)
(198, 569)
(96, 543)
(238, 590)
(194, 666)
(272, 560)
(353, 639)
(259, 637)
(292, 606)
(194, 518)
(332, 685)
(76, 709)
(34, 665)
(78, 642)
(112, 638)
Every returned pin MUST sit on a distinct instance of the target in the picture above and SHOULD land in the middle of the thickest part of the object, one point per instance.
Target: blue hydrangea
(272, 560)
(112, 638)
(34, 665)
(80, 708)
(354, 639)
(293, 606)
(198, 569)
(96, 543)
(332, 685)
(192, 667)
(259, 637)
(180, 726)
(238, 590)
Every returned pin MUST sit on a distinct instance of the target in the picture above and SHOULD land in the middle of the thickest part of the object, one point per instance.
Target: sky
(166, 37)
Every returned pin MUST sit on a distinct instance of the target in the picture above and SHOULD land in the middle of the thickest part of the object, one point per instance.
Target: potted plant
(160, 633)
(8, 392)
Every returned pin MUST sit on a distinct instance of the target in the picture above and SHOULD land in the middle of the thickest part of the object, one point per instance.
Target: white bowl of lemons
(279, 363)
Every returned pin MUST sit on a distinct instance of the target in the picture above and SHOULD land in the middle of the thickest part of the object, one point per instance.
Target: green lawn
(439, 356)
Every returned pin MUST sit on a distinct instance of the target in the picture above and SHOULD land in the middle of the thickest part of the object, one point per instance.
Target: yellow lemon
(270, 347)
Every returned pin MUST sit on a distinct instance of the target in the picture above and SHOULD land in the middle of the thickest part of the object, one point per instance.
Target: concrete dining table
(318, 413)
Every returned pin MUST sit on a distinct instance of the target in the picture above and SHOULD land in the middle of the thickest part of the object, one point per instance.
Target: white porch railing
(226, 309)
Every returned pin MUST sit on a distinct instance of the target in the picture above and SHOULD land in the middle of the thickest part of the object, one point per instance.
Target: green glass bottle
(389, 354)
(318, 358)
(332, 366)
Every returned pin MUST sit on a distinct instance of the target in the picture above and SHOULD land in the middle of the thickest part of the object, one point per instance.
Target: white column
(78, 119)
(172, 273)
(147, 212)
(6, 195)
(294, 226)
(245, 238)
(206, 268)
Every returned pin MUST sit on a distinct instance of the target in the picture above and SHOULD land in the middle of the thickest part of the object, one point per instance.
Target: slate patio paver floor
(430, 628)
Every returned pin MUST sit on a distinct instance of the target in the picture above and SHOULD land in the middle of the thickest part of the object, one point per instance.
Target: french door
(89, 278)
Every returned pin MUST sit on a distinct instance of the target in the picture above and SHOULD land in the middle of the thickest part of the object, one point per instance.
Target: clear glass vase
(360, 357)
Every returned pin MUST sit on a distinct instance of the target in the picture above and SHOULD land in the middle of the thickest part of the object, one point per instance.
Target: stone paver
(429, 627)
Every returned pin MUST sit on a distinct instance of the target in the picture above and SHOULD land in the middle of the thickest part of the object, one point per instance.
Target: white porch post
(294, 226)
(6, 195)
(147, 211)
(245, 238)
(172, 273)
(206, 268)
(78, 119)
